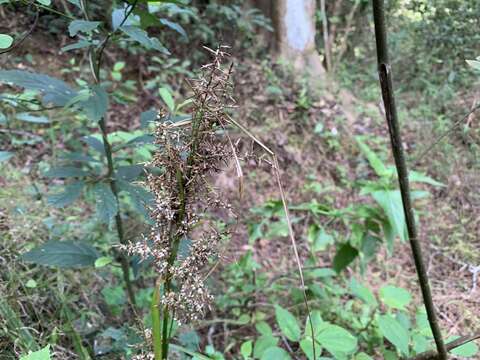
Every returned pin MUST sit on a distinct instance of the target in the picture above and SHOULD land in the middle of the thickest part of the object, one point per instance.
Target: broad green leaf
(363, 356)
(103, 261)
(306, 345)
(468, 350)
(275, 353)
(142, 37)
(43, 354)
(54, 91)
(337, 340)
(167, 98)
(129, 173)
(65, 172)
(147, 117)
(377, 165)
(32, 118)
(263, 343)
(362, 292)
(174, 26)
(95, 144)
(391, 203)
(96, 105)
(474, 64)
(106, 202)
(63, 254)
(5, 41)
(317, 323)
(83, 26)
(263, 328)
(288, 323)
(45, 2)
(246, 349)
(5, 155)
(31, 284)
(415, 176)
(395, 297)
(71, 193)
(420, 343)
(344, 256)
(319, 238)
(394, 332)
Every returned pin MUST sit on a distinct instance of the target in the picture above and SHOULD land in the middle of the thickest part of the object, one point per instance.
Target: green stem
(401, 165)
(94, 59)
(155, 313)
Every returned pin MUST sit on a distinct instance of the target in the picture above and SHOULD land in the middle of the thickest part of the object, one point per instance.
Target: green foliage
(63, 254)
(43, 354)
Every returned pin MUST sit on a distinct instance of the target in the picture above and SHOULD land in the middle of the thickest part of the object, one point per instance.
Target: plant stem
(386, 84)
(95, 62)
(155, 313)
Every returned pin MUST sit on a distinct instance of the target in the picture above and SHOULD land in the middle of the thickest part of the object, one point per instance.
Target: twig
(432, 354)
(386, 85)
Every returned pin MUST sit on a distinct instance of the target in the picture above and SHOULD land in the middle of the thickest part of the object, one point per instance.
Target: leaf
(344, 256)
(142, 199)
(43, 354)
(65, 172)
(96, 105)
(5, 41)
(84, 26)
(263, 328)
(467, 350)
(473, 64)
(45, 2)
(317, 323)
(319, 238)
(147, 117)
(374, 161)
(106, 203)
(276, 353)
(103, 261)
(71, 193)
(263, 343)
(167, 98)
(246, 349)
(337, 340)
(288, 323)
(5, 155)
(394, 332)
(307, 347)
(31, 118)
(415, 176)
(142, 37)
(129, 172)
(54, 91)
(78, 45)
(395, 297)
(174, 26)
(95, 144)
(362, 292)
(64, 254)
(363, 356)
(391, 203)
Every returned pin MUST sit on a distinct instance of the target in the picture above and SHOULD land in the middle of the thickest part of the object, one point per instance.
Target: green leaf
(415, 176)
(31, 284)
(43, 354)
(64, 254)
(5, 155)
(307, 347)
(362, 292)
(167, 98)
(395, 297)
(246, 349)
(363, 356)
(5, 41)
(263, 343)
(473, 64)
(81, 44)
(317, 323)
(467, 350)
(45, 2)
(263, 328)
(65, 172)
(288, 323)
(84, 26)
(142, 199)
(174, 26)
(147, 117)
(54, 91)
(32, 118)
(106, 202)
(391, 203)
(276, 353)
(129, 173)
(420, 343)
(71, 193)
(344, 256)
(394, 332)
(319, 238)
(377, 165)
(142, 37)
(337, 340)
(95, 144)
(96, 105)
(103, 261)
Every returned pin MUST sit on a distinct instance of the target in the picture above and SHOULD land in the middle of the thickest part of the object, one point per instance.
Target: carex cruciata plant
(188, 153)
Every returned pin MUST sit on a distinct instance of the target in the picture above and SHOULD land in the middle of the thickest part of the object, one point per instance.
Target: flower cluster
(189, 153)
